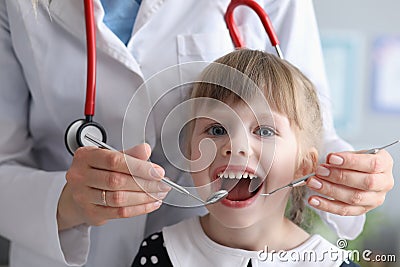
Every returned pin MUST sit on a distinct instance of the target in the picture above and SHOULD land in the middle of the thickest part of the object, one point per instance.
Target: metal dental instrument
(295, 183)
(213, 198)
(302, 180)
(376, 150)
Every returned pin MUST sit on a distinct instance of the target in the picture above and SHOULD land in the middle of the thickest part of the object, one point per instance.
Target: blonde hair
(285, 88)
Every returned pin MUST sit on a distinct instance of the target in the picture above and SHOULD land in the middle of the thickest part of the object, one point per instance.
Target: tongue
(241, 191)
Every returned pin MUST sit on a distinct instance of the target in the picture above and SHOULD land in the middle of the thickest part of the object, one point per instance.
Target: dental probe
(302, 180)
(215, 197)
(376, 150)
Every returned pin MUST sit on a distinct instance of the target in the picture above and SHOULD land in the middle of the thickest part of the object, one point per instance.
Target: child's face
(246, 143)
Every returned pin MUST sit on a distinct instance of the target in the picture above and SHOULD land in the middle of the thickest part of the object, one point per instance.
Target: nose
(237, 144)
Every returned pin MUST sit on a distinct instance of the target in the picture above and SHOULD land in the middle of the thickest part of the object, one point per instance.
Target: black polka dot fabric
(152, 252)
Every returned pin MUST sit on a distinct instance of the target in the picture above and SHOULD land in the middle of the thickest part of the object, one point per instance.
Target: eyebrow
(265, 117)
(277, 119)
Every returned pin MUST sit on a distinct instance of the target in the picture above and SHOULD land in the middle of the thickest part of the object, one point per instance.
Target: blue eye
(216, 130)
(264, 131)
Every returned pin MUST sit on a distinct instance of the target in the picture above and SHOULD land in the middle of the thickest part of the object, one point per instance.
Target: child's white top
(188, 245)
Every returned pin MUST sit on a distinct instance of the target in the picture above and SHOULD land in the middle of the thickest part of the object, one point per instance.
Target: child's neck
(272, 234)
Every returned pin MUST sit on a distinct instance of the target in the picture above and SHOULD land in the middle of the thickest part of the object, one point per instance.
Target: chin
(235, 218)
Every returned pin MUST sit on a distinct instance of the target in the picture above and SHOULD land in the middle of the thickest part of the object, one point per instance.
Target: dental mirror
(213, 198)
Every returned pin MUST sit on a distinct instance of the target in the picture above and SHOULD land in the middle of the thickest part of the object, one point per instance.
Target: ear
(308, 163)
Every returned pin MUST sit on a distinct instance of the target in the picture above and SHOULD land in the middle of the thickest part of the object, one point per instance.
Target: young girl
(263, 118)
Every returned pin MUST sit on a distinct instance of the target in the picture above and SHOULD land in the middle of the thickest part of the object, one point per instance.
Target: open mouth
(241, 183)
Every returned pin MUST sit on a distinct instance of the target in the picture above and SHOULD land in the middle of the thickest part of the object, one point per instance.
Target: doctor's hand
(101, 187)
(353, 183)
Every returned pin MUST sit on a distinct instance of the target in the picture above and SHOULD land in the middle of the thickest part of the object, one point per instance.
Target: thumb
(141, 151)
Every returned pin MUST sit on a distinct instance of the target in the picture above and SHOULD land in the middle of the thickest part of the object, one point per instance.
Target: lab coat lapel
(147, 9)
(70, 15)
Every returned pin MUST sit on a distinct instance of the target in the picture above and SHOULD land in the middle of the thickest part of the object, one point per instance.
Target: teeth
(232, 175)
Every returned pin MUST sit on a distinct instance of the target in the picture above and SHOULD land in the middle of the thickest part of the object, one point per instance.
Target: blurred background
(361, 41)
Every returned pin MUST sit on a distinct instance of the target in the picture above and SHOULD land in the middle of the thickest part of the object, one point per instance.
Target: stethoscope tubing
(91, 60)
(263, 16)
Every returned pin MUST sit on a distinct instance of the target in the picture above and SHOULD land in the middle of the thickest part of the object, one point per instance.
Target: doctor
(52, 206)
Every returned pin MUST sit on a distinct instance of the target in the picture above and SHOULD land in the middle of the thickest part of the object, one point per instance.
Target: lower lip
(243, 203)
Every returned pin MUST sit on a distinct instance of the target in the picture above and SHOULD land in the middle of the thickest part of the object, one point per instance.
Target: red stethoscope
(266, 22)
(76, 131)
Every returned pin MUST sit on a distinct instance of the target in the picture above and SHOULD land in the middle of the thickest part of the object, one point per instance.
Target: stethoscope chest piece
(75, 133)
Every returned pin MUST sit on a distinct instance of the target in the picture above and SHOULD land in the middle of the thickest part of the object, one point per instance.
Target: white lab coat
(43, 81)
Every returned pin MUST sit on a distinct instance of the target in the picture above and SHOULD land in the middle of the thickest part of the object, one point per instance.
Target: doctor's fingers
(382, 162)
(376, 182)
(118, 162)
(337, 207)
(344, 200)
(112, 181)
(98, 214)
(118, 198)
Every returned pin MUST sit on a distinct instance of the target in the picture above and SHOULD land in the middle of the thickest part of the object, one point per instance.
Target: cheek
(266, 157)
(203, 153)
(194, 151)
(199, 163)
(196, 177)
(284, 165)
(194, 155)
(201, 181)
